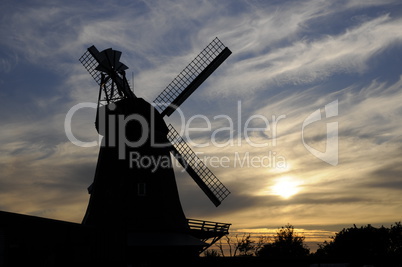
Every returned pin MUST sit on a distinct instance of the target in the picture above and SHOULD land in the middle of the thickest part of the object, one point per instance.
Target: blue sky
(289, 59)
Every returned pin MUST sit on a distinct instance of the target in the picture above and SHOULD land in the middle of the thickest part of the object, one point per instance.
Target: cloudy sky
(319, 81)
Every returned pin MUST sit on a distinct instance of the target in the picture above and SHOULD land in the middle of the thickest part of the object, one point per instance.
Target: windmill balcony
(205, 230)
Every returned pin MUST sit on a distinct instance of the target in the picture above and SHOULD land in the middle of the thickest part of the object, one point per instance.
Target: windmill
(138, 204)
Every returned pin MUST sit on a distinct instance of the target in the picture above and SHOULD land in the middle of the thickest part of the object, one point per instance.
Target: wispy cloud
(311, 60)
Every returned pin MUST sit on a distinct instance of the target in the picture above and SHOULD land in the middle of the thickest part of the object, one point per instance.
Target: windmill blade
(90, 60)
(107, 61)
(200, 173)
(191, 77)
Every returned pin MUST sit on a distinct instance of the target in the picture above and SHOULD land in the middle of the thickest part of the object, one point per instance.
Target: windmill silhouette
(138, 205)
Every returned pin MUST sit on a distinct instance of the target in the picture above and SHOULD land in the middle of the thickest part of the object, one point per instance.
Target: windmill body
(126, 194)
(138, 204)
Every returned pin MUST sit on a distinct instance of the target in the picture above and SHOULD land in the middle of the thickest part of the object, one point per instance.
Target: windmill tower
(134, 197)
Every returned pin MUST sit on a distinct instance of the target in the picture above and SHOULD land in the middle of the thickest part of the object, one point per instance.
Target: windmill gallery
(133, 213)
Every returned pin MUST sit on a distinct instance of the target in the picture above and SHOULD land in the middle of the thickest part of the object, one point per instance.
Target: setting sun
(285, 187)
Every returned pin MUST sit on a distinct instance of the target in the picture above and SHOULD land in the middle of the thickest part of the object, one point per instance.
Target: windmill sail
(191, 77)
(200, 173)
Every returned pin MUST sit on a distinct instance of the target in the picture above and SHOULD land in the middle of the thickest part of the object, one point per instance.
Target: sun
(285, 187)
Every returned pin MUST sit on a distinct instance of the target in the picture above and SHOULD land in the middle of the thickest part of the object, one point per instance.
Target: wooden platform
(207, 231)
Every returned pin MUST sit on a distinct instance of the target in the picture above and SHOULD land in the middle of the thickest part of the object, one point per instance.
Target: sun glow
(285, 187)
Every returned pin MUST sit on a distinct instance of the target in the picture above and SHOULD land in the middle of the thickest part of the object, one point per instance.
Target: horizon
(301, 122)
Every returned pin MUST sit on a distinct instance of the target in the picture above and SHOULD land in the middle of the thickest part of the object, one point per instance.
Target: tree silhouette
(239, 245)
(395, 234)
(287, 245)
(364, 243)
(236, 244)
(212, 253)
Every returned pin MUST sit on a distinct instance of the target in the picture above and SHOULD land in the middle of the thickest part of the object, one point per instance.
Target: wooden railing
(207, 226)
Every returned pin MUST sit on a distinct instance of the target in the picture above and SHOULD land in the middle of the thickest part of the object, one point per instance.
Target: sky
(301, 123)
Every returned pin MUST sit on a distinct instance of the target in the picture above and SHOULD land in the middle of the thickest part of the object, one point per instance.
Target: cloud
(310, 60)
(369, 138)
